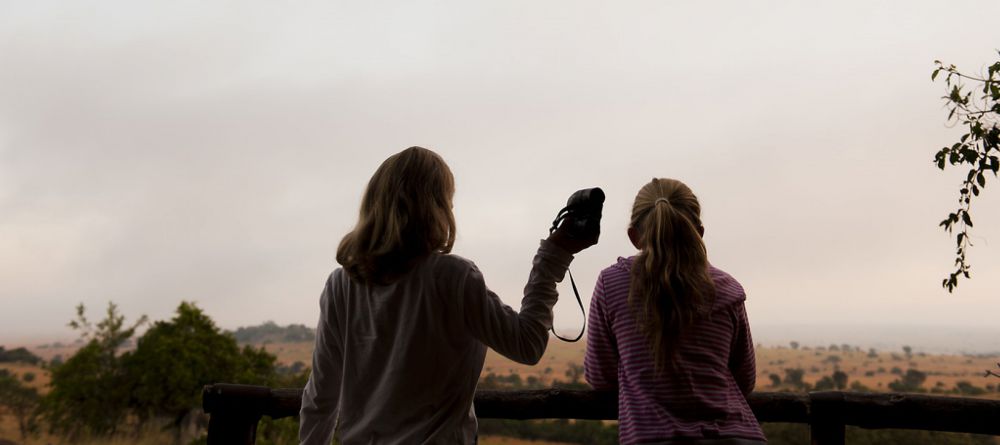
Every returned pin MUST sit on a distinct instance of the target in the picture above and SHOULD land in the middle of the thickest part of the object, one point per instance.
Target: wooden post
(827, 433)
(826, 418)
(236, 409)
(234, 412)
(224, 429)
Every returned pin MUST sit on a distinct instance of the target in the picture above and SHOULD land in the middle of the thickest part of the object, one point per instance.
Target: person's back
(669, 332)
(404, 325)
(414, 368)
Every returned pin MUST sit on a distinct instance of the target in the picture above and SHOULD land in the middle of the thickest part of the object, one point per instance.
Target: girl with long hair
(404, 325)
(669, 331)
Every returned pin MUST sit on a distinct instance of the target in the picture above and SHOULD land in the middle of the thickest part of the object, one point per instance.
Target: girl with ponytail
(669, 331)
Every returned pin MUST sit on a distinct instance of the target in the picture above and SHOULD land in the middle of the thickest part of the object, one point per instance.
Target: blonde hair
(405, 215)
(671, 285)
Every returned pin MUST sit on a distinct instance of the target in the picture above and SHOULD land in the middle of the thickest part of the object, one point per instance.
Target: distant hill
(270, 332)
(21, 355)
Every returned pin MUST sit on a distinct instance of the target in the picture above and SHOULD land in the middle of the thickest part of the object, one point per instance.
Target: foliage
(110, 333)
(271, 332)
(840, 379)
(18, 355)
(19, 400)
(775, 379)
(574, 372)
(909, 382)
(796, 434)
(824, 384)
(278, 432)
(577, 431)
(966, 388)
(90, 391)
(793, 377)
(175, 359)
(97, 391)
(977, 110)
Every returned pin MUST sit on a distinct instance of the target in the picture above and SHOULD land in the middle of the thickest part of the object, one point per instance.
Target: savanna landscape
(791, 367)
(205, 165)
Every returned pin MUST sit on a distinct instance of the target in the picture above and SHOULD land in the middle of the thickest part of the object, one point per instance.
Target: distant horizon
(929, 338)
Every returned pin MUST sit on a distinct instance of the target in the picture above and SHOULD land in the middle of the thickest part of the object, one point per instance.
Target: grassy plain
(498, 440)
(874, 371)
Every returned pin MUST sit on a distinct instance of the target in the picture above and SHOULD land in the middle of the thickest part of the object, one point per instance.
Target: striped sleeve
(742, 362)
(601, 361)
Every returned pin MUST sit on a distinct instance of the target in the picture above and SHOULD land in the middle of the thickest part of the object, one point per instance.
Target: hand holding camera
(578, 225)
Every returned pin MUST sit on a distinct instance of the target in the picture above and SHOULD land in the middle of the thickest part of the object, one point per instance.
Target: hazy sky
(217, 153)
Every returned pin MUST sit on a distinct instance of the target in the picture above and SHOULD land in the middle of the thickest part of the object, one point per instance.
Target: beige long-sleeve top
(398, 364)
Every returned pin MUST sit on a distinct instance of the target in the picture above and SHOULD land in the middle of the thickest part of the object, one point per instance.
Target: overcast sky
(217, 153)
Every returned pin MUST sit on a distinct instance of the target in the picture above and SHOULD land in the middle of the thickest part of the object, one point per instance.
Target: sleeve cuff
(554, 253)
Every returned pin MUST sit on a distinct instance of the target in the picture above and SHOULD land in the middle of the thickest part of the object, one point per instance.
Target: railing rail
(236, 409)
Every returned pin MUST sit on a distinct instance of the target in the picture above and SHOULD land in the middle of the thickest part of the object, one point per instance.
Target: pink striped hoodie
(705, 398)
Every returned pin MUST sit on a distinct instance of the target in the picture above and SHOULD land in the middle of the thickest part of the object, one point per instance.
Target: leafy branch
(110, 333)
(977, 149)
(990, 372)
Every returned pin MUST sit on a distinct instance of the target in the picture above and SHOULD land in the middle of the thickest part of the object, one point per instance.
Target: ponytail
(671, 286)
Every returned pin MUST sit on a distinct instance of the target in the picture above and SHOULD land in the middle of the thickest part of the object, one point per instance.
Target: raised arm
(319, 411)
(518, 335)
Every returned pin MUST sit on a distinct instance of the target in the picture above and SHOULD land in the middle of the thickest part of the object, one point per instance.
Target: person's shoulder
(621, 267)
(728, 291)
(337, 276)
(450, 263)
(614, 282)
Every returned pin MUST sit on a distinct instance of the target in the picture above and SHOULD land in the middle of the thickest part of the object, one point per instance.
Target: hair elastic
(661, 199)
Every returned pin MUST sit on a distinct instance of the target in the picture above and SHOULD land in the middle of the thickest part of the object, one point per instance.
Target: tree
(840, 379)
(574, 372)
(909, 382)
(908, 351)
(793, 377)
(775, 379)
(794, 345)
(20, 400)
(977, 110)
(18, 355)
(90, 392)
(824, 384)
(175, 359)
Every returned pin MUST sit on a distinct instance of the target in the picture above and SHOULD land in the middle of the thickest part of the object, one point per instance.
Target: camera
(582, 214)
(581, 219)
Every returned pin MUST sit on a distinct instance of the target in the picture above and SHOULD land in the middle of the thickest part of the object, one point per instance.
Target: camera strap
(555, 224)
(580, 302)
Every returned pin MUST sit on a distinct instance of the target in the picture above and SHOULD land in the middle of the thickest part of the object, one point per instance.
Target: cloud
(217, 153)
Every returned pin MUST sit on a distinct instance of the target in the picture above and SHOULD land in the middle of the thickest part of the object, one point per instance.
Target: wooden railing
(236, 409)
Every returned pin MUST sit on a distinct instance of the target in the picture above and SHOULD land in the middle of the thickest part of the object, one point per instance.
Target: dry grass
(41, 381)
(291, 352)
(947, 369)
(147, 436)
(498, 440)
